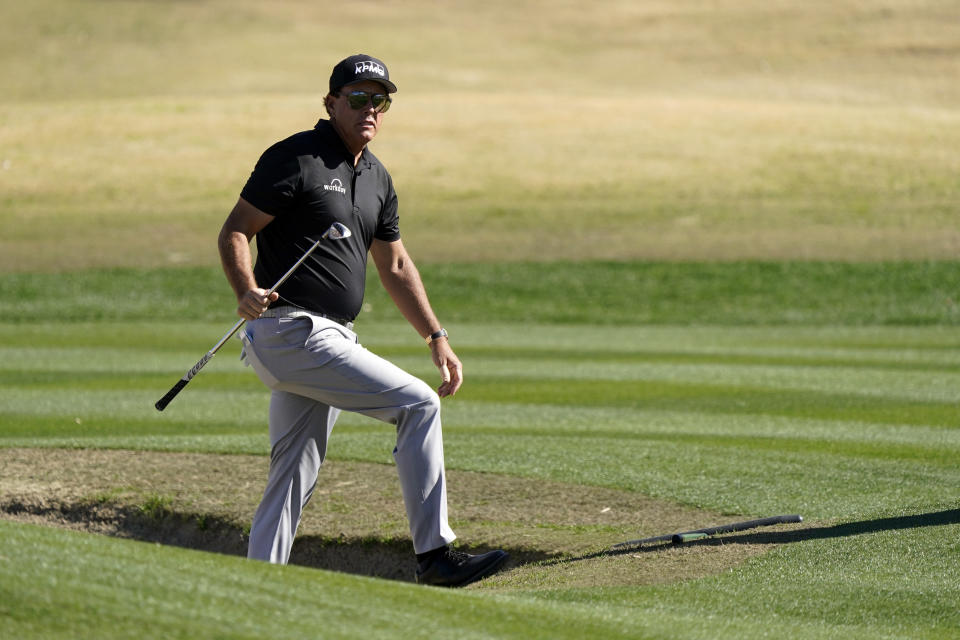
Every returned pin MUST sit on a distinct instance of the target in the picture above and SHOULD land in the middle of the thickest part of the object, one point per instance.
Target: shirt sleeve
(388, 224)
(275, 182)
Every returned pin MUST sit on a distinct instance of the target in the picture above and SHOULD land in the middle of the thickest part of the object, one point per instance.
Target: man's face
(357, 127)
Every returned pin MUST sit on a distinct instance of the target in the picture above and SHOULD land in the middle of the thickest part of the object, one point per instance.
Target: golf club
(700, 534)
(336, 231)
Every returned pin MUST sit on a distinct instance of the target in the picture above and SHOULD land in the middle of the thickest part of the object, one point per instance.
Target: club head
(337, 231)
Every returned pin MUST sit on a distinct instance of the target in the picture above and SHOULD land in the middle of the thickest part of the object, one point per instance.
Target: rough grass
(356, 522)
(730, 130)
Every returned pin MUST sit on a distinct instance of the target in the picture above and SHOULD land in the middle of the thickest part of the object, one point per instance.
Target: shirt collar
(328, 133)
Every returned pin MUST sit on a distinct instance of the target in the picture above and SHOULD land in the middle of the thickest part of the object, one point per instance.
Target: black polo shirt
(308, 182)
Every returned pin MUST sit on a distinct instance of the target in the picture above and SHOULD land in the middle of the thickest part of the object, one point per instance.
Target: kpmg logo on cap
(369, 65)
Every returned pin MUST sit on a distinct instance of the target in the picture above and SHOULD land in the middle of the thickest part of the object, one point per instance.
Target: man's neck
(356, 153)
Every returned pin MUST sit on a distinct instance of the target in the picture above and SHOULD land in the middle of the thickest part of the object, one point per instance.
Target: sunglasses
(360, 99)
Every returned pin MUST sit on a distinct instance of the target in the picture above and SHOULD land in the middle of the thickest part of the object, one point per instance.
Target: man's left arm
(402, 281)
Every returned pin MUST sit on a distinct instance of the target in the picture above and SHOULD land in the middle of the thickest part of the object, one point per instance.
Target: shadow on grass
(935, 519)
(391, 559)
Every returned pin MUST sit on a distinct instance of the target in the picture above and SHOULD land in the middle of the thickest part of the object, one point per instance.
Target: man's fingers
(451, 371)
(255, 302)
(452, 375)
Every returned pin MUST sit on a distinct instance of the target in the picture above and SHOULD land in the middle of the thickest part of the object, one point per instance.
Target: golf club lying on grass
(336, 231)
(700, 534)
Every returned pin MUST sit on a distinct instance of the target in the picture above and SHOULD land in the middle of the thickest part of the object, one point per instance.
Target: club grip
(690, 536)
(174, 390)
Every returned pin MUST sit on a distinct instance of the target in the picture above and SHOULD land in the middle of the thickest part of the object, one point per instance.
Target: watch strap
(436, 335)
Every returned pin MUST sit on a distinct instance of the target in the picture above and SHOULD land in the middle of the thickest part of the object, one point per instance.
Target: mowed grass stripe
(709, 475)
(932, 453)
(21, 427)
(935, 344)
(248, 413)
(199, 405)
(907, 385)
(648, 394)
(567, 356)
(79, 380)
(64, 358)
(894, 362)
(719, 398)
(104, 358)
(761, 464)
(555, 357)
(610, 293)
(68, 370)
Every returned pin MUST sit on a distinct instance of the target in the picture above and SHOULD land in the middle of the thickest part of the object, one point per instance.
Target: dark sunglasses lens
(360, 99)
(380, 102)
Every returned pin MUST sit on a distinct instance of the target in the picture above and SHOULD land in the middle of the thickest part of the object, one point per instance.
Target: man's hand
(254, 302)
(402, 281)
(451, 371)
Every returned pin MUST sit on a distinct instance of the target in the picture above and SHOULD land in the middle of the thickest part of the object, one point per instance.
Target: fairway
(568, 439)
(699, 259)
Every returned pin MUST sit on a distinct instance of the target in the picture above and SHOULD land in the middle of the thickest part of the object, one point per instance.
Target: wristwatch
(436, 335)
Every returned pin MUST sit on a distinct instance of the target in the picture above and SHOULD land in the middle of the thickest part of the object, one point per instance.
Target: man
(300, 341)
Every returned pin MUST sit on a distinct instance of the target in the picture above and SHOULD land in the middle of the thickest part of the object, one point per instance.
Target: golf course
(700, 260)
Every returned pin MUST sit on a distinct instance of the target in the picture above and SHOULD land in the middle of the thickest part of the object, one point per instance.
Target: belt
(290, 311)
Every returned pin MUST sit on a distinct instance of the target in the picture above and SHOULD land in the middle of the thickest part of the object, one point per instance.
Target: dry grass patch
(557, 533)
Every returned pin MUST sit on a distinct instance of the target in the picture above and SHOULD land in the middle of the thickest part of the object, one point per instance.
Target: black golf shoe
(457, 569)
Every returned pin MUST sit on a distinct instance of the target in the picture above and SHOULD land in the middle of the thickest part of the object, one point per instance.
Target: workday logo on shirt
(335, 185)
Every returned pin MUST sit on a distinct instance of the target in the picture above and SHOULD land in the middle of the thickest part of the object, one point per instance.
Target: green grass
(863, 583)
(704, 252)
(853, 425)
(823, 418)
(86, 586)
(860, 578)
(602, 292)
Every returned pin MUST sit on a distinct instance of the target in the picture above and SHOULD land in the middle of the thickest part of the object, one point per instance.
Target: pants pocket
(250, 357)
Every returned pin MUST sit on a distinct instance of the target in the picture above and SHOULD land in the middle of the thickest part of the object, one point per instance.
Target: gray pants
(315, 368)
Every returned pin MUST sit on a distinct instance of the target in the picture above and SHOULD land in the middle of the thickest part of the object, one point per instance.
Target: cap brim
(389, 86)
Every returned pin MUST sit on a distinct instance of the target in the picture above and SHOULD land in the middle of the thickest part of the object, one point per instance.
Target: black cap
(357, 68)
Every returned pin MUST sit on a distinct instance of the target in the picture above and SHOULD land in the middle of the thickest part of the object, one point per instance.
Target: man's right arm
(243, 223)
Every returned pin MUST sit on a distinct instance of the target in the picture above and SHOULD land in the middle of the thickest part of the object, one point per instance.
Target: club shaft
(162, 403)
(699, 534)
(290, 271)
(748, 524)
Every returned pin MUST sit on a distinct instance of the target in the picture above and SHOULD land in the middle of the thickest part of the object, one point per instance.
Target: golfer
(300, 339)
